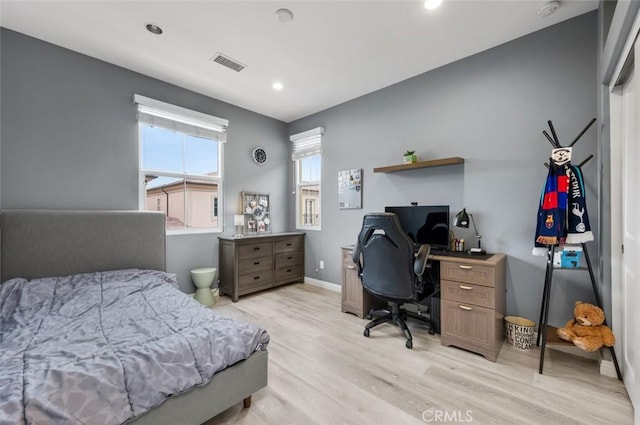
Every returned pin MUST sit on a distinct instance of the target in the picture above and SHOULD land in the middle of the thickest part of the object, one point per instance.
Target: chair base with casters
(397, 316)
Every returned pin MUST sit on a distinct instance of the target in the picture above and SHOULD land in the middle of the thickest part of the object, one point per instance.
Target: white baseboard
(323, 284)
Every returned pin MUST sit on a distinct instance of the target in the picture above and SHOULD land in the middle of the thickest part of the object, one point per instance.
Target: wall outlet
(321, 264)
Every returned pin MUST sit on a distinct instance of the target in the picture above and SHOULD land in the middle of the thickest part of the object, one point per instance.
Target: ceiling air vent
(228, 62)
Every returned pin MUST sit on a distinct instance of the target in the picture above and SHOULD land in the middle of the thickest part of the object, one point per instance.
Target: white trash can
(519, 332)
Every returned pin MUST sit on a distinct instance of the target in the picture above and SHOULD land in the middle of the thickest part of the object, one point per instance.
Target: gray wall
(70, 140)
(490, 109)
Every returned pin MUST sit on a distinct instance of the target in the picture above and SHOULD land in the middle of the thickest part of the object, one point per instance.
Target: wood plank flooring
(322, 370)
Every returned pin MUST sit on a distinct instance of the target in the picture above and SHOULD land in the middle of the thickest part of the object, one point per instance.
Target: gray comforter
(103, 348)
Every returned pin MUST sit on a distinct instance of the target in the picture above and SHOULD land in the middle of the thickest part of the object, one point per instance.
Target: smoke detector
(548, 8)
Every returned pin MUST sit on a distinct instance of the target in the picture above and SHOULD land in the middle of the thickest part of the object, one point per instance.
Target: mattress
(106, 347)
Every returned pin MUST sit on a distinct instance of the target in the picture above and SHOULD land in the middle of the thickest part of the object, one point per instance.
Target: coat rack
(546, 293)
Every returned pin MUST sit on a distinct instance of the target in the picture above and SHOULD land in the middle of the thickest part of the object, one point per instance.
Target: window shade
(183, 120)
(307, 143)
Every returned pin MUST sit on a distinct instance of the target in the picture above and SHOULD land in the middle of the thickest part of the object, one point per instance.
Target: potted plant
(410, 156)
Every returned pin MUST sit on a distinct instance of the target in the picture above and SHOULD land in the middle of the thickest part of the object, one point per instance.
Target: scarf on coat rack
(578, 227)
(562, 213)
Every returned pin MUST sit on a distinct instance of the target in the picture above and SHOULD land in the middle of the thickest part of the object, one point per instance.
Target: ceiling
(332, 51)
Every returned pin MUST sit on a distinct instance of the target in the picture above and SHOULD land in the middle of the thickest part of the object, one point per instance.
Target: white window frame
(307, 144)
(184, 121)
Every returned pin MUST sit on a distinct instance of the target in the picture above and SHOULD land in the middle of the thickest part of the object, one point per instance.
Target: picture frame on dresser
(256, 210)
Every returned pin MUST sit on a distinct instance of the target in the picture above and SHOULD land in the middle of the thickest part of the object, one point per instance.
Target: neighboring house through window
(181, 164)
(307, 159)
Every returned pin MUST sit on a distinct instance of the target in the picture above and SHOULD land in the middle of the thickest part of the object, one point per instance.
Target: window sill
(192, 232)
(316, 228)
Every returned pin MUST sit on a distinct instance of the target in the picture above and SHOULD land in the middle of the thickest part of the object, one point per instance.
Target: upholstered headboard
(39, 243)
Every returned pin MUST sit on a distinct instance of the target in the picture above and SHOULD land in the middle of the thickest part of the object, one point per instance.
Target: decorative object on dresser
(257, 212)
(238, 221)
(354, 298)
(258, 262)
(473, 304)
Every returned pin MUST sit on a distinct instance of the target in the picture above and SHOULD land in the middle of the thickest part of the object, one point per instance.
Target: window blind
(183, 120)
(307, 143)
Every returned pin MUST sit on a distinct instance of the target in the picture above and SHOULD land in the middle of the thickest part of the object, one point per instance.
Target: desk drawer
(255, 250)
(470, 273)
(289, 244)
(253, 265)
(473, 327)
(483, 296)
(289, 259)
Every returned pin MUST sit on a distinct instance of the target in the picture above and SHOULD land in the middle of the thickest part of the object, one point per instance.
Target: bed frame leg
(246, 403)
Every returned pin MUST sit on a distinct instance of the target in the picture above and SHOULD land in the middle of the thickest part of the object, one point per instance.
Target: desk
(471, 297)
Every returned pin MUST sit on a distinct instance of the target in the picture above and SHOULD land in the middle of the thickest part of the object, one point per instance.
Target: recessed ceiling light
(277, 86)
(432, 4)
(284, 15)
(153, 29)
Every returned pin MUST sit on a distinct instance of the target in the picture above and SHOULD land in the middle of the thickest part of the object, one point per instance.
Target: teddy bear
(586, 330)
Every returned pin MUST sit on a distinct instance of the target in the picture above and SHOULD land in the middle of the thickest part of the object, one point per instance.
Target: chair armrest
(421, 258)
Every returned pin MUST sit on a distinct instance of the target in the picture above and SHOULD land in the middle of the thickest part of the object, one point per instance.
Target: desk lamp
(462, 220)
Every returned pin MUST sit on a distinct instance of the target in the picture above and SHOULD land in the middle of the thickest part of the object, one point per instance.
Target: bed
(130, 246)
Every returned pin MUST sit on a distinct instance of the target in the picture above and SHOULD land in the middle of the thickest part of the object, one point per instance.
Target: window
(307, 159)
(181, 164)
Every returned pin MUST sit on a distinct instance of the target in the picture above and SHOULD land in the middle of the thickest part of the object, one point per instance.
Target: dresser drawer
(253, 265)
(483, 296)
(254, 279)
(255, 250)
(289, 273)
(471, 273)
(289, 259)
(289, 244)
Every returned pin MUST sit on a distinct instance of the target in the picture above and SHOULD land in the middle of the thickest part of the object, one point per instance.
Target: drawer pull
(289, 244)
(256, 278)
(255, 263)
(463, 267)
(289, 257)
(256, 248)
(351, 267)
(465, 287)
(464, 307)
(289, 270)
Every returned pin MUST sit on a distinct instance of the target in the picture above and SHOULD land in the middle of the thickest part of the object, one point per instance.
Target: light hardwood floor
(322, 370)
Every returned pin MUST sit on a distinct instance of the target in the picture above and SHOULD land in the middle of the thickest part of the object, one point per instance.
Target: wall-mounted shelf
(420, 164)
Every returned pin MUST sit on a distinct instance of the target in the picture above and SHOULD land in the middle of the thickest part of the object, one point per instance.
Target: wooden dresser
(253, 263)
(473, 303)
(354, 298)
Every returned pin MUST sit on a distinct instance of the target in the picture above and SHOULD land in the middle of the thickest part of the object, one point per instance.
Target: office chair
(390, 270)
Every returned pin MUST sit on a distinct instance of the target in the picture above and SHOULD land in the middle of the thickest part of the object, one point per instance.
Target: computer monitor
(425, 224)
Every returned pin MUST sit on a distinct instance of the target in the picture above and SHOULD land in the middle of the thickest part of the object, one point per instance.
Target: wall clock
(259, 156)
